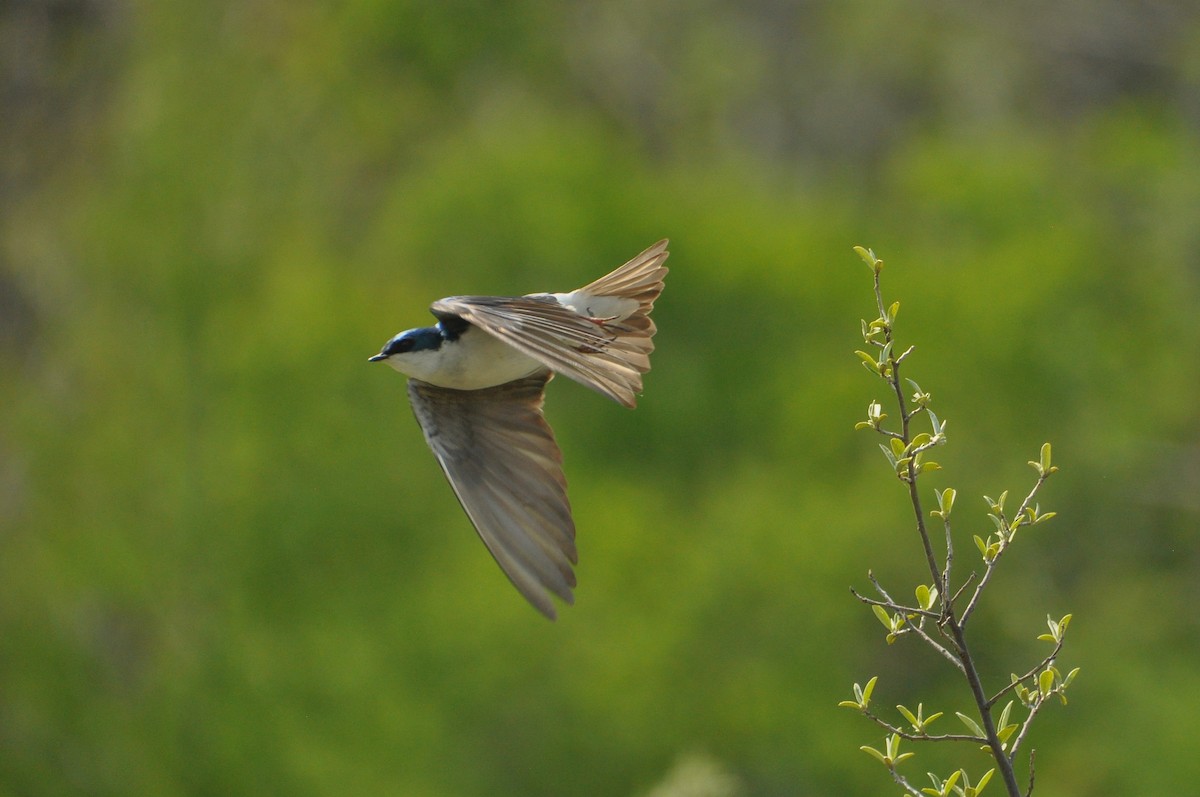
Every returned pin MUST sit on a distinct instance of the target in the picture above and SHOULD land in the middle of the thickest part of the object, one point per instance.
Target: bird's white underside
(475, 361)
(479, 360)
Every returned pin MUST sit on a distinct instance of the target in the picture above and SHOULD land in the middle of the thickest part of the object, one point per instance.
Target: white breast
(474, 361)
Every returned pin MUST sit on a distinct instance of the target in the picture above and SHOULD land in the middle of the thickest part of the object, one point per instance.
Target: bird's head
(411, 348)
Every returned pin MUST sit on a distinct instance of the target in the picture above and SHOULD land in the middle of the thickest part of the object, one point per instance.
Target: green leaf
(868, 689)
(1004, 714)
(1046, 681)
(939, 427)
(908, 715)
(983, 781)
(868, 257)
(868, 361)
(981, 545)
(883, 616)
(887, 452)
(971, 724)
(946, 500)
(897, 447)
(871, 751)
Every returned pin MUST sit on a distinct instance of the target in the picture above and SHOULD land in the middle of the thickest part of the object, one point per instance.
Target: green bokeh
(229, 565)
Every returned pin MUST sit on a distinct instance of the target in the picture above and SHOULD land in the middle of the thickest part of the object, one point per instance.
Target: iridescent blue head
(423, 339)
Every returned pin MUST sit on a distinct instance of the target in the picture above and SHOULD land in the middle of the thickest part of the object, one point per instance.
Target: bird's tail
(641, 279)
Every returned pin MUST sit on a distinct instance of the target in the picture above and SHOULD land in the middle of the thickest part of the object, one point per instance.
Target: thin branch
(896, 607)
(923, 737)
(903, 783)
(947, 601)
(1003, 762)
(958, 593)
(1025, 726)
(1033, 492)
(1032, 754)
(1046, 662)
(987, 574)
(983, 582)
(933, 643)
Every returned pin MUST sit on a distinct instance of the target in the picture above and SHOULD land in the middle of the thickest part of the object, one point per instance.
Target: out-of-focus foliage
(229, 566)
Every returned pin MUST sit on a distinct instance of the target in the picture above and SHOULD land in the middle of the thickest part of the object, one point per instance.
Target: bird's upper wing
(499, 455)
(570, 333)
(597, 353)
(592, 352)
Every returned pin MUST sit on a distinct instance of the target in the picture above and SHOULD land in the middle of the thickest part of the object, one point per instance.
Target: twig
(923, 737)
(1025, 726)
(933, 643)
(991, 566)
(1046, 662)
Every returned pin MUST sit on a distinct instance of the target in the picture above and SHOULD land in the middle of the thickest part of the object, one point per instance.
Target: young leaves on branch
(941, 612)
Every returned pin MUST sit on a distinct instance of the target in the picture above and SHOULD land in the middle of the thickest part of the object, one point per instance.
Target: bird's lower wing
(499, 455)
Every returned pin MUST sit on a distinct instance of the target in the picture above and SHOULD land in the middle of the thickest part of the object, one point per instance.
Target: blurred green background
(228, 563)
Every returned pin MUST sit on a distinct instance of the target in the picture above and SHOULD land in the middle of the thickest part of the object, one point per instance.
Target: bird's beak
(377, 358)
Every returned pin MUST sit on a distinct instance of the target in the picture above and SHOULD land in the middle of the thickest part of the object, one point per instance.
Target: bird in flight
(476, 383)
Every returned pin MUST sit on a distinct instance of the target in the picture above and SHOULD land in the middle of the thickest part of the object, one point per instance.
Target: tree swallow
(476, 384)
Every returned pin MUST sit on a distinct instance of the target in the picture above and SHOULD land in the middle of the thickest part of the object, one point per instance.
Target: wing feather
(500, 457)
(608, 355)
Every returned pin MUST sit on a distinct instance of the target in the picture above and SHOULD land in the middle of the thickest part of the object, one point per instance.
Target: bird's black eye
(398, 345)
